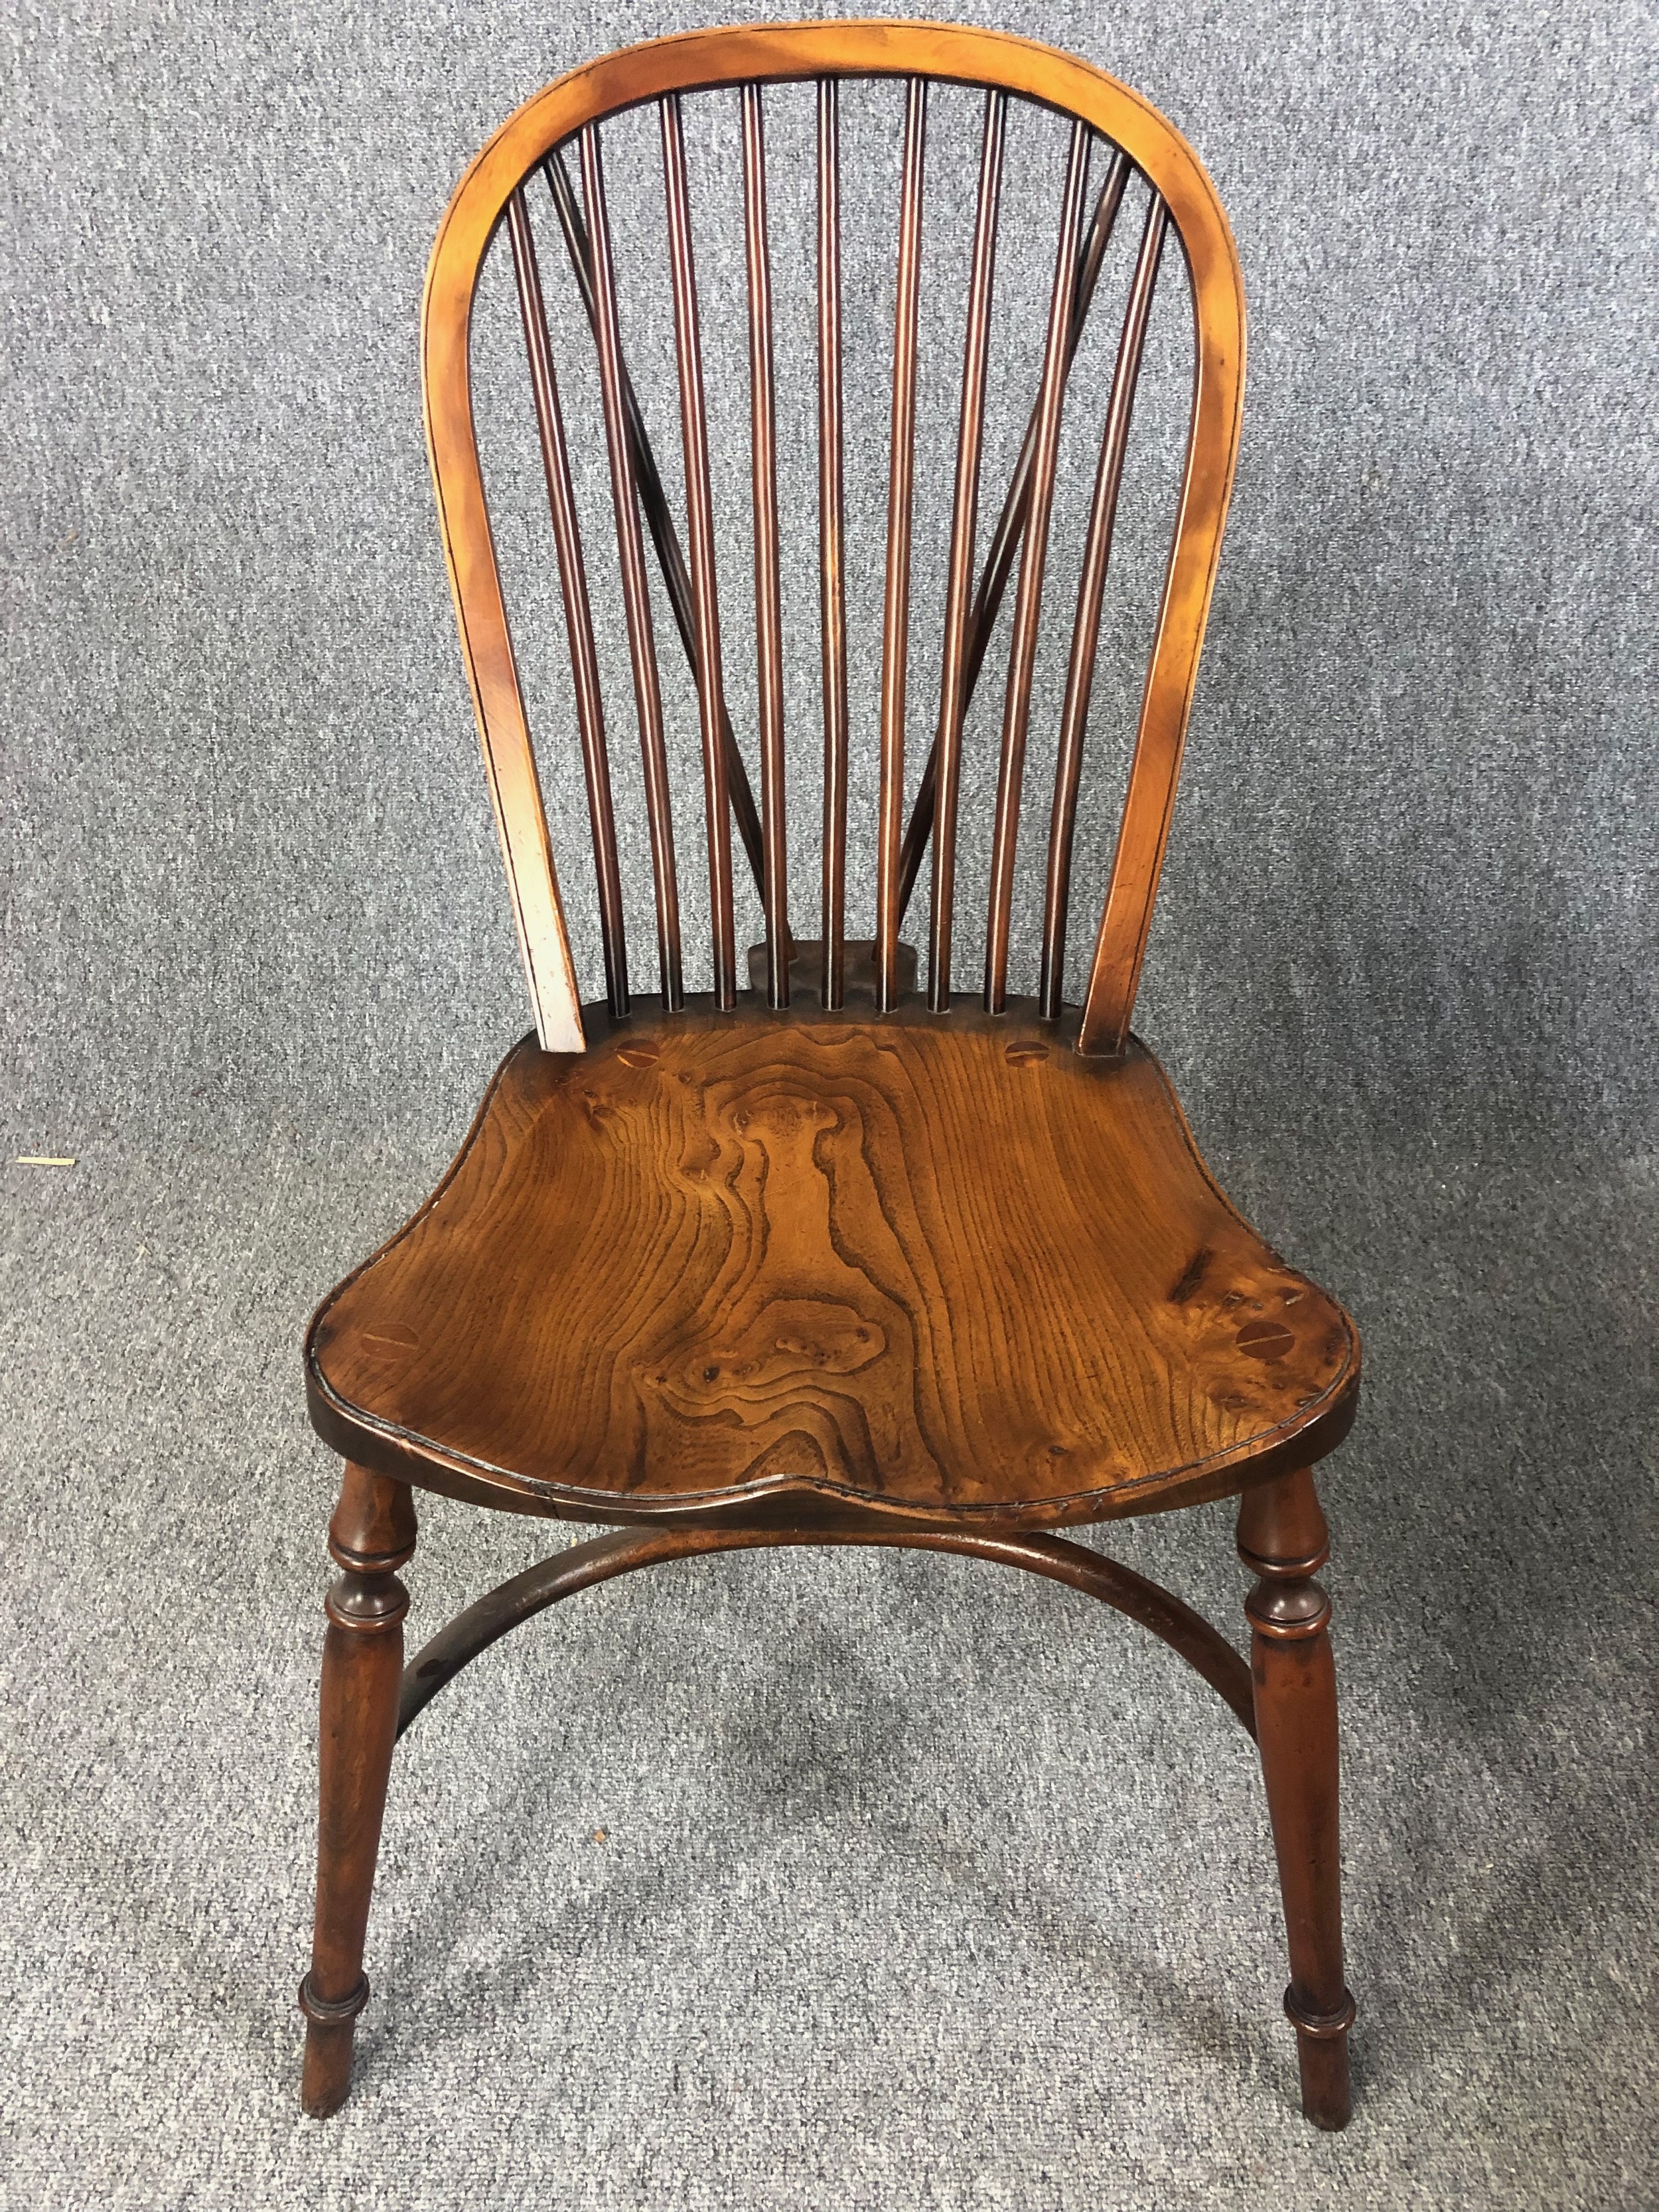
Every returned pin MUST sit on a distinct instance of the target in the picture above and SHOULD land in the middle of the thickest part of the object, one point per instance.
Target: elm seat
(722, 1263)
(848, 1257)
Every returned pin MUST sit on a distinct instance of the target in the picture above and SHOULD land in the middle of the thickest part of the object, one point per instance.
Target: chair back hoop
(560, 126)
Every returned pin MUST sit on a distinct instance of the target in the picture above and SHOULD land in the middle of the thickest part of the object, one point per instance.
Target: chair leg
(1283, 1539)
(371, 1536)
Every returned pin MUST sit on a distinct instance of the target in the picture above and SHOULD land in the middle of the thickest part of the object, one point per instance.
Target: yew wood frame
(708, 59)
(1285, 1698)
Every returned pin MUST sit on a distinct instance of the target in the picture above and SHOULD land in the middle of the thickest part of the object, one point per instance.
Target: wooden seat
(727, 1267)
(849, 1256)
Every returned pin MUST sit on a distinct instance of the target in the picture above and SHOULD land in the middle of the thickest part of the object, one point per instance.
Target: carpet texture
(826, 1879)
(921, 1882)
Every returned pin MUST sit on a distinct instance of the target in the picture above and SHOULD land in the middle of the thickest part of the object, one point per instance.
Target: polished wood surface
(895, 602)
(1283, 1540)
(370, 1537)
(699, 509)
(636, 586)
(943, 767)
(1028, 593)
(578, 611)
(832, 546)
(823, 1261)
(769, 583)
(1086, 629)
(1002, 552)
(932, 1269)
(917, 53)
(677, 579)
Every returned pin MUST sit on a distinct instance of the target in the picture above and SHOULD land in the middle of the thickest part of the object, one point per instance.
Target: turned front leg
(1283, 1539)
(371, 1536)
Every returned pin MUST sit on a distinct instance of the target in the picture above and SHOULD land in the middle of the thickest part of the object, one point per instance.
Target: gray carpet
(921, 1883)
(856, 1880)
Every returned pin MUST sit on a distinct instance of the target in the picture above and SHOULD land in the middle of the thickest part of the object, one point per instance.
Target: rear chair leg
(1283, 1539)
(371, 1536)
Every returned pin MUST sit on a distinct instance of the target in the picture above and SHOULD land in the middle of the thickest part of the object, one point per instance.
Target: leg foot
(329, 2029)
(1322, 2050)
(371, 1536)
(1282, 1536)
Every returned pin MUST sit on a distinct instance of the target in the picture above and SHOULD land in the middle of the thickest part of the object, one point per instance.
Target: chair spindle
(971, 613)
(1011, 523)
(1028, 598)
(832, 547)
(769, 595)
(636, 598)
(896, 618)
(658, 520)
(1085, 636)
(578, 615)
(953, 690)
(700, 520)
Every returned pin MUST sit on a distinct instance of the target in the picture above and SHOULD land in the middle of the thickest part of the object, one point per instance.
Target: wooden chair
(831, 1259)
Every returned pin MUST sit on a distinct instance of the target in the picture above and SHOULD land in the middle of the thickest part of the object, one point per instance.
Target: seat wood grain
(944, 1268)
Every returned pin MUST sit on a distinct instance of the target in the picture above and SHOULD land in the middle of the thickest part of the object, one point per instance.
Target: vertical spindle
(831, 552)
(700, 517)
(896, 618)
(578, 615)
(1085, 634)
(647, 478)
(1011, 523)
(1028, 598)
(636, 598)
(768, 599)
(965, 522)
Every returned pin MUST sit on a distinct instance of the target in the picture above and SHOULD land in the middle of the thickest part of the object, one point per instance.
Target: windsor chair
(824, 1256)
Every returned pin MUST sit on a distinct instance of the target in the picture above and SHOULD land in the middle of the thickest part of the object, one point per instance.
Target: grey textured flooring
(920, 1884)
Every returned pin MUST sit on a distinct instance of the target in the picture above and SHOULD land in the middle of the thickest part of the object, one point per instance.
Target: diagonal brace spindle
(653, 500)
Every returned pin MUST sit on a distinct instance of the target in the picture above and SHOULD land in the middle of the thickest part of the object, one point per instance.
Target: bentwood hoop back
(834, 1253)
(1181, 198)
